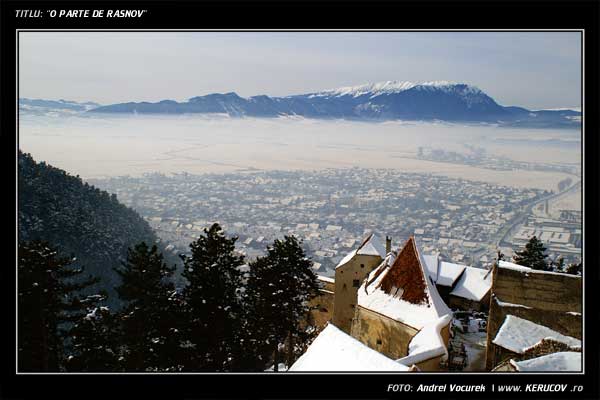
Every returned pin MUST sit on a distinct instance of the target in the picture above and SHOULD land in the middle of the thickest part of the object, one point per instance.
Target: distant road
(505, 231)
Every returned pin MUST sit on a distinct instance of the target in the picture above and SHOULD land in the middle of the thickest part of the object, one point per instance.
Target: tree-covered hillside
(80, 219)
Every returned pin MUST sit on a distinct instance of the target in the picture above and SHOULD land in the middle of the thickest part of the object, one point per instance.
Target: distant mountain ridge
(57, 104)
(383, 101)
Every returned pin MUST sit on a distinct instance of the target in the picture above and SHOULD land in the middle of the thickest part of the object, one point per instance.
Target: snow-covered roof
(334, 350)
(518, 335)
(448, 273)
(431, 262)
(474, 284)
(347, 258)
(564, 361)
(427, 343)
(412, 300)
(325, 279)
(371, 246)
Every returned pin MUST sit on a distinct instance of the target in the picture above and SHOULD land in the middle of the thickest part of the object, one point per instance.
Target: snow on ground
(475, 346)
(473, 284)
(334, 350)
(518, 335)
(565, 361)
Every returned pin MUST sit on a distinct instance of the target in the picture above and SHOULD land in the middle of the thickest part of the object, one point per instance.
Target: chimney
(388, 244)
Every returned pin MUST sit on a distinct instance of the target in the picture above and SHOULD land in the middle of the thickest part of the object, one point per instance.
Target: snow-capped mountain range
(387, 87)
(390, 100)
(38, 104)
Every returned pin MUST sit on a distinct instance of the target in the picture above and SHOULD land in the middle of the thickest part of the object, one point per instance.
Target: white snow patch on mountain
(390, 87)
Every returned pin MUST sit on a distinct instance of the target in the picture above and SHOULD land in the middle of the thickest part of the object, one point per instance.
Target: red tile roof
(405, 277)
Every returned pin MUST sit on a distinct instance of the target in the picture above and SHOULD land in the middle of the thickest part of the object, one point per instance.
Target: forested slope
(79, 219)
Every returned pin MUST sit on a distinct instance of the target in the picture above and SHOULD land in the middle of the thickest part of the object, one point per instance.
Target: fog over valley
(94, 146)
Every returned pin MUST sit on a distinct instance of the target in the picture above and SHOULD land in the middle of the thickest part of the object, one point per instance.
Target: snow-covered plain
(95, 146)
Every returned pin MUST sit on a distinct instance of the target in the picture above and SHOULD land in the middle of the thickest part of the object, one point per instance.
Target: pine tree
(279, 289)
(148, 321)
(212, 298)
(95, 342)
(48, 304)
(533, 256)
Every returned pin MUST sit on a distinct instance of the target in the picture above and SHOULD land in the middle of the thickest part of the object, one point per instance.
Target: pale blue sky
(531, 69)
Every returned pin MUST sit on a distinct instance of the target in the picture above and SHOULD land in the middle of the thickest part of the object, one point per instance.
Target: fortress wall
(383, 334)
(552, 300)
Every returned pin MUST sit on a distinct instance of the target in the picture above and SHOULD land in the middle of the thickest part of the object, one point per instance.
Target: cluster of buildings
(561, 236)
(396, 310)
(327, 209)
(478, 156)
(408, 307)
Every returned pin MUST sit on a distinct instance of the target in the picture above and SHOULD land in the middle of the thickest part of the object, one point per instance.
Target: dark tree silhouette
(533, 255)
(279, 289)
(48, 304)
(149, 323)
(212, 298)
(95, 342)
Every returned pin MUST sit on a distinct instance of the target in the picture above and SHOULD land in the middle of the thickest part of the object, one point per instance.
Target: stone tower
(349, 274)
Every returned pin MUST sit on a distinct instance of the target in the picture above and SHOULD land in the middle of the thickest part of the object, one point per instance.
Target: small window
(356, 283)
(362, 265)
(378, 342)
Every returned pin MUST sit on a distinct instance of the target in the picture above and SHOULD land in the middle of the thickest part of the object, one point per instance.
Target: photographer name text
(533, 387)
